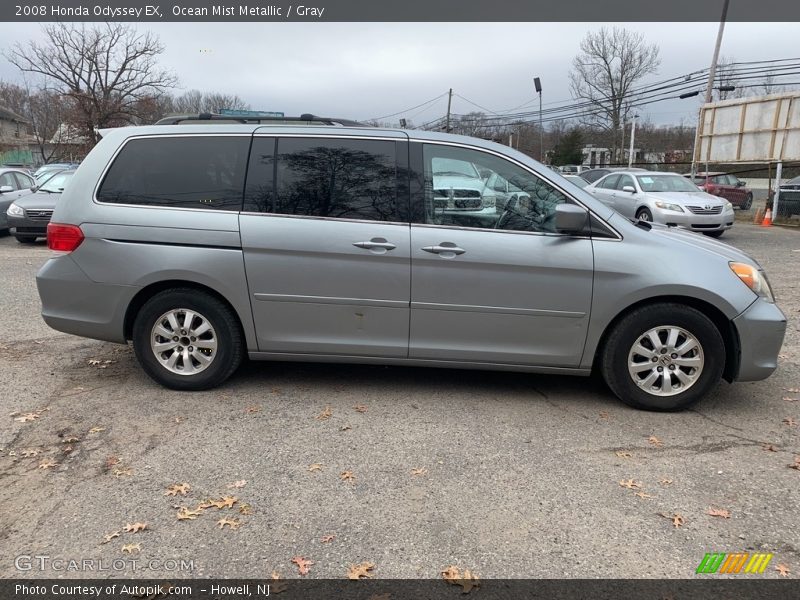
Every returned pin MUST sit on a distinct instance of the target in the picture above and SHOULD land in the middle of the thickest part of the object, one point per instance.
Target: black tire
(714, 234)
(632, 327)
(748, 203)
(644, 214)
(226, 326)
(25, 239)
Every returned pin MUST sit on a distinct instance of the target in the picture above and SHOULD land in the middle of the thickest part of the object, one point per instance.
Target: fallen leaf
(623, 454)
(178, 488)
(47, 463)
(345, 428)
(769, 448)
(97, 429)
(229, 501)
(225, 502)
(360, 408)
(348, 476)
(110, 536)
(466, 580)
(126, 472)
(327, 538)
(603, 415)
(630, 484)
(27, 417)
(231, 523)
(238, 484)
(245, 509)
(788, 399)
(782, 570)
(111, 461)
(252, 409)
(179, 419)
(29, 453)
(420, 471)
(665, 481)
(131, 548)
(790, 422)
(325, 414)
(303, 564)
(795, 464)
(642, 495)
(94, 361)
(315, 467)
(70, 440)
(655, 441)
(184, 514)
(677, 519)
(135, 527)
(719, 512)
(793, 390)
(360, 570)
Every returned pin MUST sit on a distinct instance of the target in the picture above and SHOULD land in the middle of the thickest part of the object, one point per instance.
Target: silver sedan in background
(666, 198)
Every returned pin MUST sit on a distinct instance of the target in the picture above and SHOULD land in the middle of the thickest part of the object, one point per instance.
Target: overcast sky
(366, 70)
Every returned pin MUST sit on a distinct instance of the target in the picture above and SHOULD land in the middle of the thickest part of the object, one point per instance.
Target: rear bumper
(73, 303)
(761, 329)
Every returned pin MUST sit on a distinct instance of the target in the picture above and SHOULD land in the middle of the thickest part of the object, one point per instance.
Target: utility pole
(537, 83)
(712, 71)
(633, 136)
(449, 102)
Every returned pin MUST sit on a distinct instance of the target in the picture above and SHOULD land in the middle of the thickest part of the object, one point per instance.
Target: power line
(408, 109)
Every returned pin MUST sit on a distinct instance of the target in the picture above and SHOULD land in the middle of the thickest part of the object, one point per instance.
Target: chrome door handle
(378, 244)
(445, 250)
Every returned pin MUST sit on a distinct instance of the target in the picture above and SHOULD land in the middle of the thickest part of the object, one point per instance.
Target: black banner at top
(400, 10)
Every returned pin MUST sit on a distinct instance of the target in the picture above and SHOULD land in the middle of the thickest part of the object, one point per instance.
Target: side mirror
(6, 188)
(570, 218)
(629, 188)
(741, 183)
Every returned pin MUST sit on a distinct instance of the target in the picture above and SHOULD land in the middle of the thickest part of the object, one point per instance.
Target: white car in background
(666, 198)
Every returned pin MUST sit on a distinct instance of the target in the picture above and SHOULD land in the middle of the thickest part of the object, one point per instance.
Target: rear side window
(324, 177)
(205, 172)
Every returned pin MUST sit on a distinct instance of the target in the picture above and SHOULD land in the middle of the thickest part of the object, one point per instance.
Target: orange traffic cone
(767, 222)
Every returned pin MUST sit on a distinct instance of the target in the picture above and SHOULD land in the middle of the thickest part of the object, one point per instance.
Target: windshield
(450, 166)
(665, 183)
(56, 183)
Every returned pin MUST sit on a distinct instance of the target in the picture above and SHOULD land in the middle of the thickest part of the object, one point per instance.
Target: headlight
(668, 206)
(754, 279)
(728, 206)
(489, 201)
(15, 211)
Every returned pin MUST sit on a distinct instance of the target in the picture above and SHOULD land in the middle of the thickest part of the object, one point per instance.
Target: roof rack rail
(304, 118)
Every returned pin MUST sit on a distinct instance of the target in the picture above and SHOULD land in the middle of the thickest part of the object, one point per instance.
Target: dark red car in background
(727, 186)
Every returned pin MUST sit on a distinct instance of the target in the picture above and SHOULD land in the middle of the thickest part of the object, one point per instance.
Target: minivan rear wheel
(187, 339)
(663, 357)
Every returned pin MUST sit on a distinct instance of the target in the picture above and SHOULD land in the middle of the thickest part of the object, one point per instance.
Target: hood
(457, 182)
(38, 201)
(677, 235)
(684, 198)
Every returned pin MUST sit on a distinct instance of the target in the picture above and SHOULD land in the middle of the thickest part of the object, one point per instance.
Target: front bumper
(761, 329)
(28, 226)
(694, 222)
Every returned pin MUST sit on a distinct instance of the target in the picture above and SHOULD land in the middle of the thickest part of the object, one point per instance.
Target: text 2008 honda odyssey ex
(203, 243)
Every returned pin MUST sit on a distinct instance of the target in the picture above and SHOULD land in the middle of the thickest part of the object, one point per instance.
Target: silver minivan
(207, 243)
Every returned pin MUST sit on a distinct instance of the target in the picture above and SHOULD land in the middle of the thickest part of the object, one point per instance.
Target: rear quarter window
(200, 172)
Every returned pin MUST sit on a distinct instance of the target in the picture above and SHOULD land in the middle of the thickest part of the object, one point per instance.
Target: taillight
(63, 238)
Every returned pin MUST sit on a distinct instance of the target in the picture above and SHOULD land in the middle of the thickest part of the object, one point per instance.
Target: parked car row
(26, 204)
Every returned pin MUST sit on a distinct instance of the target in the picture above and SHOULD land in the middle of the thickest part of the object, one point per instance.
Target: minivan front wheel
(663, 357)
(187, 340)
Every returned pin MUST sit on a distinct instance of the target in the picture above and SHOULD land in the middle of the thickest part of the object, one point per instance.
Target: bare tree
(604, 73)
(195, 101)
(105, 70)
(727, 75)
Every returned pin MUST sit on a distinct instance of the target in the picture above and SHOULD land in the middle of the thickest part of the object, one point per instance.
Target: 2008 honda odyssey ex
(207, 242)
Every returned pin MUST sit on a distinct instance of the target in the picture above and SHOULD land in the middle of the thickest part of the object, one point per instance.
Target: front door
(326, 252)
(512, 292)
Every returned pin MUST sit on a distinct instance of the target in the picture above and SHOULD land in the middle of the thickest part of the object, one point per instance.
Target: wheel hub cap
(183, 341)
(665, 361)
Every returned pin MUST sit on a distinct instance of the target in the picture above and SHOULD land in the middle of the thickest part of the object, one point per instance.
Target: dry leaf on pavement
(360, 408)
(47, 464)
(360, 570)
(665, 481)
(303, 564)
(315, 467)
(420, 471)
(655, 441)
(795, 464)
(277, 585)
(466, 580)
(327, 538)
(131, 548)
(790, 422)
(677, 519)
(630, 484)
(623, 454)
(348, 476)
(783, 570)
(719, 512)
(185, 514)
(642, 495)
(325, 414)
(231, 523)
(135, 527)
(109, 536)
(769, 447)
(238, 484)
(178, 488)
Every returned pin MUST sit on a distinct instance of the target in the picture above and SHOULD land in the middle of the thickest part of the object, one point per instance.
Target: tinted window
(186, 172)
(260, 189)
(609, 182)
(24, 181)
(454, 198)
(338, 178)
(7, 179)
